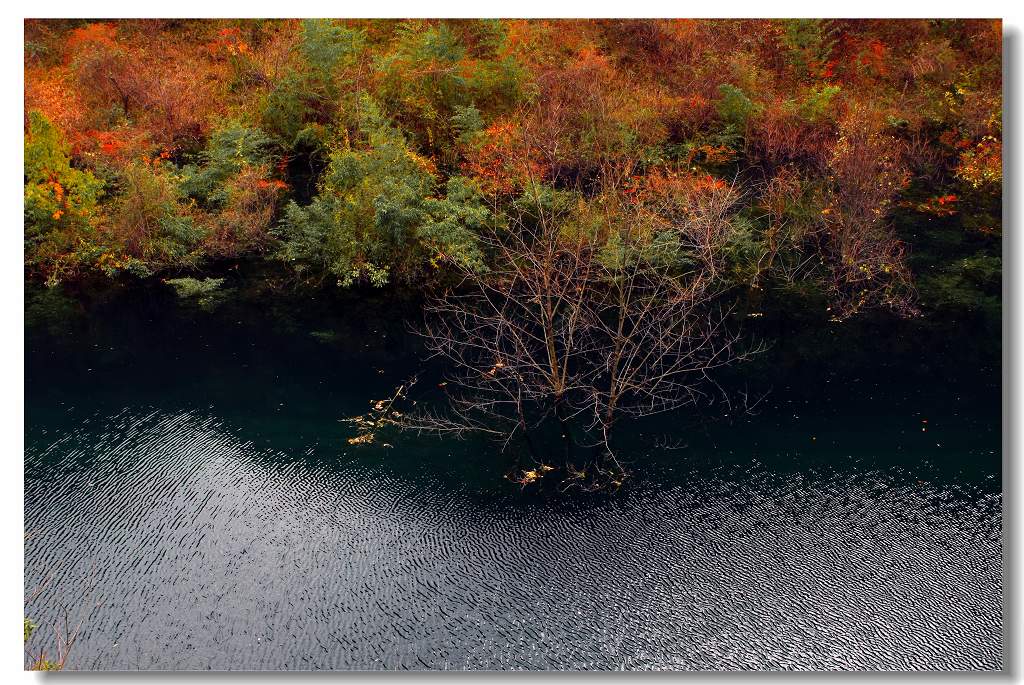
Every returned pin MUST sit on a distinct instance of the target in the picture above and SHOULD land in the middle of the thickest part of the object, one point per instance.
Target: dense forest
(591, 202)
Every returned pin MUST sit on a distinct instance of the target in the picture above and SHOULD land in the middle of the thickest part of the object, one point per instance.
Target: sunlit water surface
(190, 494)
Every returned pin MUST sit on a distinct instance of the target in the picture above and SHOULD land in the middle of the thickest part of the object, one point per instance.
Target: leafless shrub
(866, 262)
(591, 312)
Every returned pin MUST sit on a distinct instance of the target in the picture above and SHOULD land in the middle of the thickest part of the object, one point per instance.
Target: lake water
(190, 494)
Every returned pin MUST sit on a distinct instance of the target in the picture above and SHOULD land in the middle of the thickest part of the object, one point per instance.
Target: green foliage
(734, 107)
(152, 225)
(422, 83)
(229, 150)
(312, 91)
(326, 46)
(539, 199)
(432, 83)
(285, 110)
(35, 50)
(39, 663)
(743, 250)
(205, 292)
(453, 222)
(30, 628)
(808, 43)
(60, 201)
(370, 200)
(663, 250)
(375, 214)
(193, 287)
(817, 104)
(467, 123)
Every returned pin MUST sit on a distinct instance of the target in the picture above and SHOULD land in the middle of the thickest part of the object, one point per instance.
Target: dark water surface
(189, 491)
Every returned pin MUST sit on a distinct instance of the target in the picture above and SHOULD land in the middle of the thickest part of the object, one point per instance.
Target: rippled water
(190, 494)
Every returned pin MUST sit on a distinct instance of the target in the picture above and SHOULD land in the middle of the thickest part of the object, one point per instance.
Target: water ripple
(203, 550)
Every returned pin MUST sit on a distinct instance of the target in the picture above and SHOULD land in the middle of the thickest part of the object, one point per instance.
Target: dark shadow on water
(176, 450)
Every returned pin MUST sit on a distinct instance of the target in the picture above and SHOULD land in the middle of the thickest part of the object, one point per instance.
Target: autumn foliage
(374, 151)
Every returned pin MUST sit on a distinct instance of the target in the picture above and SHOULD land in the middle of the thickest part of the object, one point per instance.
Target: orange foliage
(940, 205)
(53, 92)
(502, 163)
(98, 34)
(981, 165)
(848, 114)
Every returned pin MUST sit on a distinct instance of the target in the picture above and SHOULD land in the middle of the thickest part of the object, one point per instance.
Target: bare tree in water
(592, 310)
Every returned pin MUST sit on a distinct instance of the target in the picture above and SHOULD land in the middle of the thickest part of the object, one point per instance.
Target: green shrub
(734, 107)
(230, 149)
(375, 214)
(60, 203)
(151, 223)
